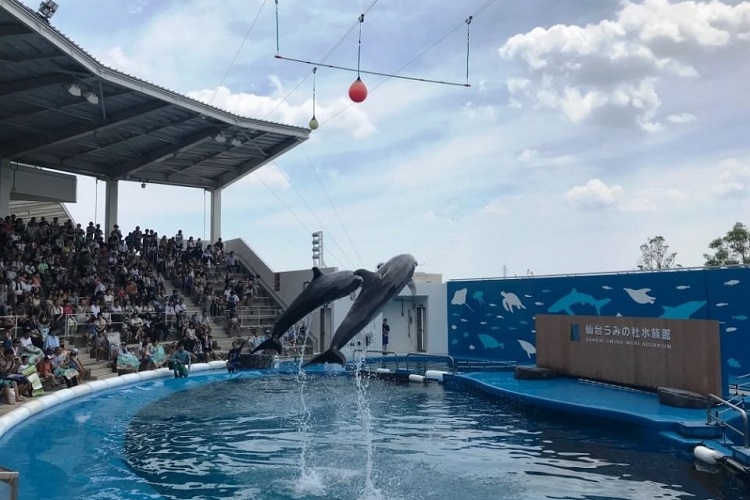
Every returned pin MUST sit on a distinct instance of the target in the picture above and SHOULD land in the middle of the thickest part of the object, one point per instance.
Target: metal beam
(13, 149)
(24, 86)
(246, 167)
(14, 30)
(78, 102)
(178, 171)
(129, 168)
(5, 57)
(97, 145)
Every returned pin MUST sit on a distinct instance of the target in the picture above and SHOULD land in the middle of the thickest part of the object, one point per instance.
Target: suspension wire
(325, 57)
(333, 207)
(414, 59)
(359, 42)
(239, 49)
(377, 73)
(468, 45)
(277, 26)
(333, 255)
(315, 70)
(323, 226)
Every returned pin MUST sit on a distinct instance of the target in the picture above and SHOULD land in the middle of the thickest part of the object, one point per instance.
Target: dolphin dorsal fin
(367, 276)
(317, 273)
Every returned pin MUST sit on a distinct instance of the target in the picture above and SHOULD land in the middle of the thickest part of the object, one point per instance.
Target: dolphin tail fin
(331, 356)
(268, 345)
(413, 287)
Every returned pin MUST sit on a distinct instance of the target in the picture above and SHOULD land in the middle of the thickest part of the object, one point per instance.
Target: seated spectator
(181, 362)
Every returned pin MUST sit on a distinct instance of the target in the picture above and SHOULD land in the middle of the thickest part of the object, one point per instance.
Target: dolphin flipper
(331, 356)
(269, 344)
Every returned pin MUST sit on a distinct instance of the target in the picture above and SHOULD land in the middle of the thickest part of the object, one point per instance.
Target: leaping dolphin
(323, 289)
(378, 289)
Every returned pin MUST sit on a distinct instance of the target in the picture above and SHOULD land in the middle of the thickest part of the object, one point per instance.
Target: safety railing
(741, 383)
(432, 356)
(376, 351)
(8, 484)
(711, 400)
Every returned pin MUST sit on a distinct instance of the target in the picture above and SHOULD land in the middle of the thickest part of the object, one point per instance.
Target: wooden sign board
(640, 352)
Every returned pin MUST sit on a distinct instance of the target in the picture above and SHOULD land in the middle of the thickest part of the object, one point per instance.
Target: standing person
(233, 357)
(386, 332)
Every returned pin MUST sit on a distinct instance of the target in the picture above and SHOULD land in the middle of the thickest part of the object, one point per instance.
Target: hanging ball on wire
(358, 90)
(314, 123)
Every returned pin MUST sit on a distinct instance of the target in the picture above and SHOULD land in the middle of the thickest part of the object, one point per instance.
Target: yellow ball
(314, 123)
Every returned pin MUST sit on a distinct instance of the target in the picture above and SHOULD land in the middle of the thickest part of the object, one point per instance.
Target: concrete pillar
(110, 206)
(6, 184)
(215, 215)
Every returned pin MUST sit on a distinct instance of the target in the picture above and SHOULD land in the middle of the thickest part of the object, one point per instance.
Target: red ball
(358, 91)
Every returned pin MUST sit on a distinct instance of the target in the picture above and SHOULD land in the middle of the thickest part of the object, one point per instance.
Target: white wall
(403, 339)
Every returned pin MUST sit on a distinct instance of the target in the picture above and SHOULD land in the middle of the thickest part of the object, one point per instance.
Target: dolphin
(323, 289)
(378, 289)
(576, 297)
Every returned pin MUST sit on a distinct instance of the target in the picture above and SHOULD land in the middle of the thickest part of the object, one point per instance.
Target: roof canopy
(62, 109)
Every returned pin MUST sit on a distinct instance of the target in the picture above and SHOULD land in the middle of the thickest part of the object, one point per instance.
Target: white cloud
(495, 207)
(682, 118)
(733, 179)
(594, 194)
(608, 73)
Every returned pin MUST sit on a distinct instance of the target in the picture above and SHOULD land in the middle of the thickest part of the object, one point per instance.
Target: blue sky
(589, 126)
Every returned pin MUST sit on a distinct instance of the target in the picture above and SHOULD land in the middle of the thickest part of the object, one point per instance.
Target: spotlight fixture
(73, 89)
(220, 138)
(91, 97)
(47, 9)
(236, 142)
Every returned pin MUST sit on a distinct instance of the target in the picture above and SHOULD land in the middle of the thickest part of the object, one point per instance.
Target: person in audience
(233, 357)
(181, 362)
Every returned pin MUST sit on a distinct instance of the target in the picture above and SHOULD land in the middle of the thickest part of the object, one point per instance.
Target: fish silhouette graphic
(640, 296)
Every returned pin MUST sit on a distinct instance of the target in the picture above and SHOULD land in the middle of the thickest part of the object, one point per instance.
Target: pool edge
(47, 401)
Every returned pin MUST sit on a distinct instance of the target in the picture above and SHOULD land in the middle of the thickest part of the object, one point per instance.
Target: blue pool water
(228, 437)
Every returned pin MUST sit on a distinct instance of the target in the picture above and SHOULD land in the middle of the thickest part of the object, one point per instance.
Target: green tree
(655, 254)
(731, 249)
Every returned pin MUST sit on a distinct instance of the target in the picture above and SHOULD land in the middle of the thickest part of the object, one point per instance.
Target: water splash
(370, 492)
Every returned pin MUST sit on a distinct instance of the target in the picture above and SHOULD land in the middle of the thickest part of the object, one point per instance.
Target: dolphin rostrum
(378, 289)
(323, 289)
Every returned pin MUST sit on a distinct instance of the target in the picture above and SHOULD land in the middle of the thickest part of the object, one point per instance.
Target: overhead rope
(294, 214)
(468, 45)
(358, 71)
(239, 49)
(333, 207)
(277, 26)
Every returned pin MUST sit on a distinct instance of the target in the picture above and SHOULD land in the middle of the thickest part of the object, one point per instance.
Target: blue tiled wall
(494, 319)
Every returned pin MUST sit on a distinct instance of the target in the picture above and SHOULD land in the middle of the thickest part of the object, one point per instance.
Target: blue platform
(682, 426)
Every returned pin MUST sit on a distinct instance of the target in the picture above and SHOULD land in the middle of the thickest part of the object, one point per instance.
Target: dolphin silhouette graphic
(323, 289)
(378, 289)
(576, 297)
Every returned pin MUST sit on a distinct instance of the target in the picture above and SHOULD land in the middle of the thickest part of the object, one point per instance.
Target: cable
(415, 58)
(316, 216)
(330, 201)
(237, 54)
(333, 255)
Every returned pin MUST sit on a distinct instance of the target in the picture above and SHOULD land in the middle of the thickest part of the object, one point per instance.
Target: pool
(276, 437)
